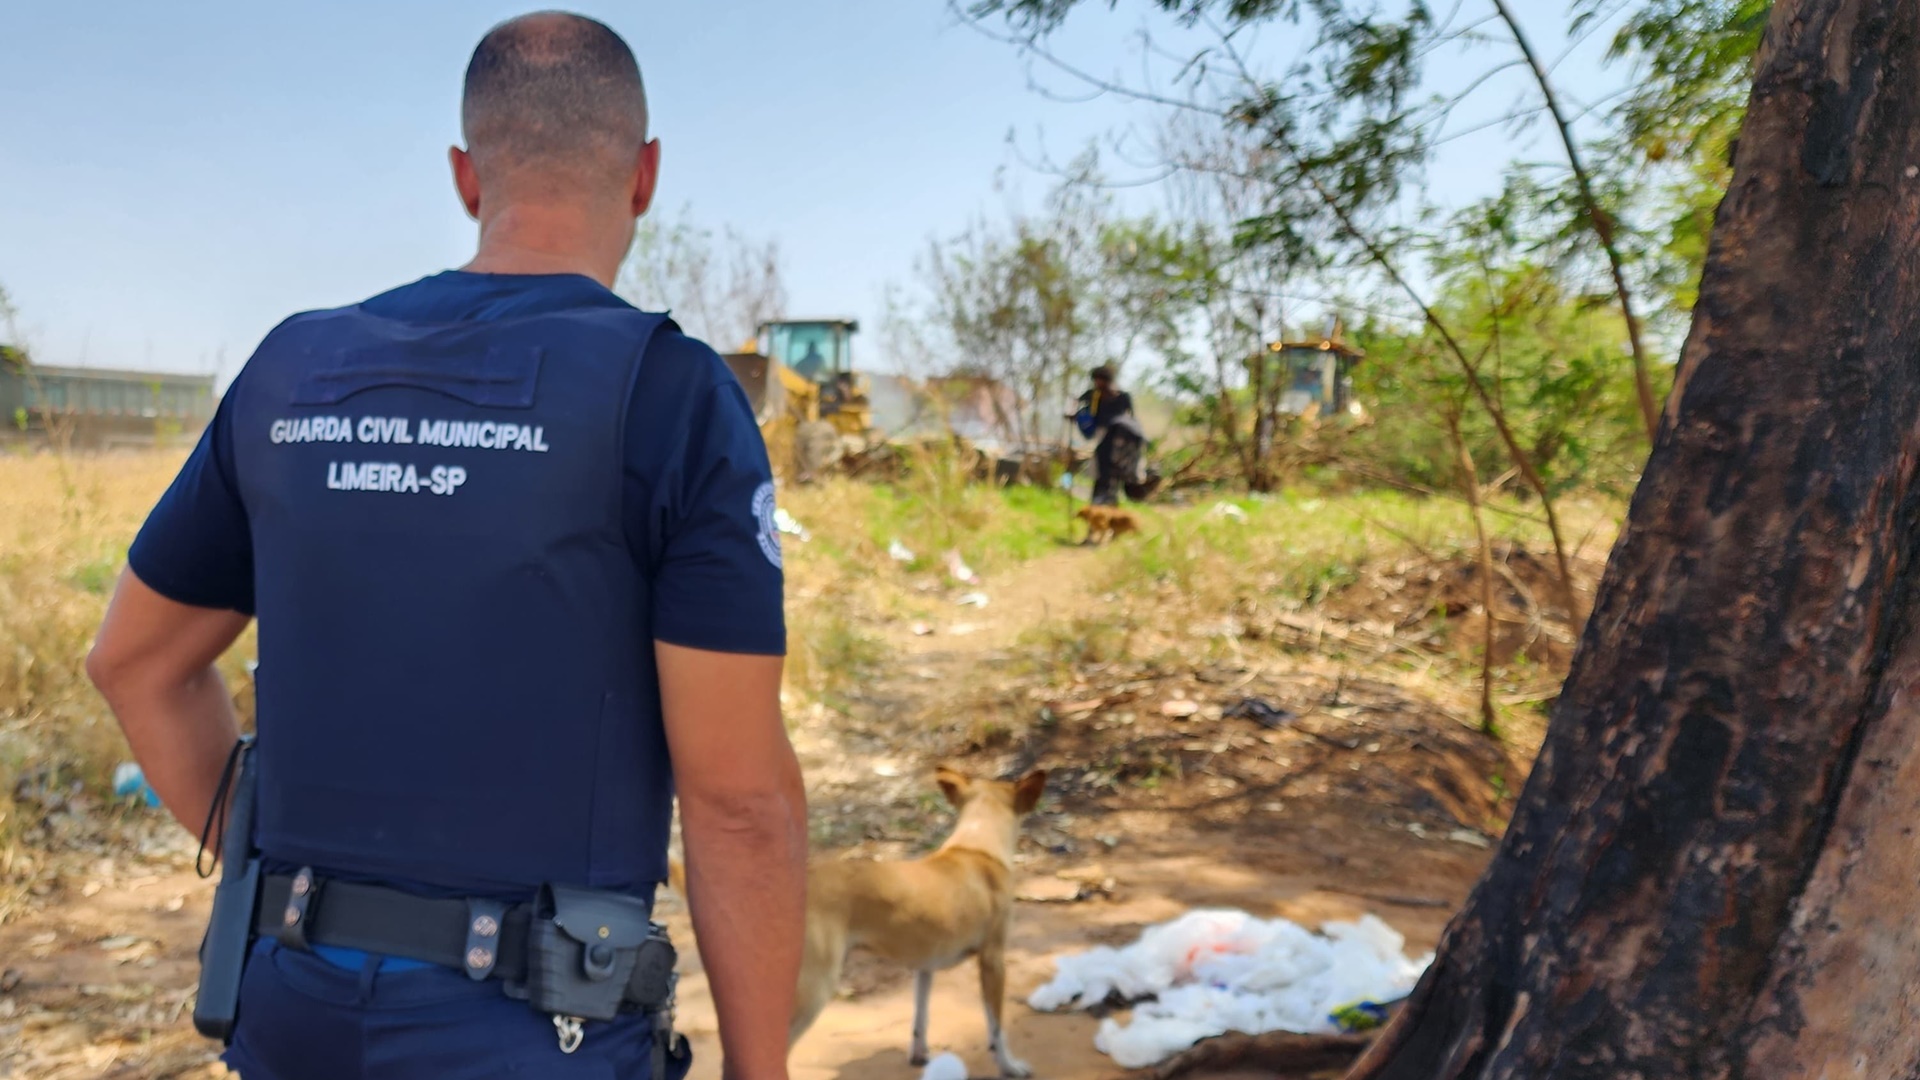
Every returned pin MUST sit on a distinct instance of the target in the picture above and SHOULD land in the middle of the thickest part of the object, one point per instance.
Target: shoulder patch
(763, 512)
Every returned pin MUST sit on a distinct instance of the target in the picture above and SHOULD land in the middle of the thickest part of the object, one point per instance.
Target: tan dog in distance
(928, 914)
(1104, 523)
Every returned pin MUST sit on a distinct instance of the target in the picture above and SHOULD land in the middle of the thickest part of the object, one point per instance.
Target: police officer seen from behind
(510, 544)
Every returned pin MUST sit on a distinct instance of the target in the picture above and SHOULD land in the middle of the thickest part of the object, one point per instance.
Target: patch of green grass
(936, 508)
(1299, 544)
(96, 577)
(990, 527)
(1498, 783)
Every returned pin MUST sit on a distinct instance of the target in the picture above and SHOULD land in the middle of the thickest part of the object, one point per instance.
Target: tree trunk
(1711, 871)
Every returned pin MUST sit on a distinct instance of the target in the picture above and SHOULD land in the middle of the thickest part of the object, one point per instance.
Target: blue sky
(175, 178)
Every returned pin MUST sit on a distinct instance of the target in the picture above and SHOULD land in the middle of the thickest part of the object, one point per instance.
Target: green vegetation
(1210, 574)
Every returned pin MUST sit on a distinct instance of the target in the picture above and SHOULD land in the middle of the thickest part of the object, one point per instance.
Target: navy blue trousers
(303, 1018)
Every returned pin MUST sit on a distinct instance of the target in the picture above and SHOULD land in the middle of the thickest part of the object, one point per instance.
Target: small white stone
(945, 1067)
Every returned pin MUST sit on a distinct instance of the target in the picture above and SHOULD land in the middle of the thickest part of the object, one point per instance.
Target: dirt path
(96, 980)
(862, 751)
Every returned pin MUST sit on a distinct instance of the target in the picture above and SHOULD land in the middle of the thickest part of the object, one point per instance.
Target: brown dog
(1104, 523)
(929, 914)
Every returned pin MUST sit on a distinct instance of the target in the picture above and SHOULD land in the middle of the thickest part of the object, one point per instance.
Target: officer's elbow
(124, 673)
(107, 669)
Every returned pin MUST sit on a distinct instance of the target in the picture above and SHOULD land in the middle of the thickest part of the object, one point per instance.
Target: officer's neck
(552, 239)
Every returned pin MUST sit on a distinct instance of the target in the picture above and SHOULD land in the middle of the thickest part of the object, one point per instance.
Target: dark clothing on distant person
(1116, 464)
(1116, 459)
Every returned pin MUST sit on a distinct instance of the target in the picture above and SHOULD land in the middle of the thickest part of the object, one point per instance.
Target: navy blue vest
(456, 684)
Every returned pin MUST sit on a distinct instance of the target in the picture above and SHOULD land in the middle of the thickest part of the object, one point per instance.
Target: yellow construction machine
(812, 407)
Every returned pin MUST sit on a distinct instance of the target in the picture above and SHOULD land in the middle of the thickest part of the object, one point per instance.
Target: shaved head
(553, 105)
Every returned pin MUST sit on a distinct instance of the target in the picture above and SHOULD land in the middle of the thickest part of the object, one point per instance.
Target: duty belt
(574, 954)
(484, 938)
(393, 923)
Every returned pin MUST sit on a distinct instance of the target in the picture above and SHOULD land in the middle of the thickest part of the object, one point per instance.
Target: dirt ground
(1361, 797)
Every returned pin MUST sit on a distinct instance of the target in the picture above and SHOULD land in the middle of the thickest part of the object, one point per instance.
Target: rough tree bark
(1711, 872)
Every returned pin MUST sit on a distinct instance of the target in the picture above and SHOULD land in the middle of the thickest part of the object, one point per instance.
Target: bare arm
(743, 815)
(153, 662)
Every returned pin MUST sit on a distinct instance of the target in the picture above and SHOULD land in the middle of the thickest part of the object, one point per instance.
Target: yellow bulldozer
(812, 407)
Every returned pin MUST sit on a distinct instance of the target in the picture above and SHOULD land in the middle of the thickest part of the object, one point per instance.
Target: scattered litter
(1179, 709)
(129, 780)
(1214, 971)
(1066, 481)
(921, 629)
(958, 567)
(786, 523)
(1469, 838)
(887, 769)
(899, 552)
(1359, 1016)
(1228, 510)
(973, 599)
(1264, 713)
(945, 1067)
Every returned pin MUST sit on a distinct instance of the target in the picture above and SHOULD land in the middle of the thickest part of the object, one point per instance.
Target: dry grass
(64, 526)
(1366, 580)
(1203, 586)
(844, 584)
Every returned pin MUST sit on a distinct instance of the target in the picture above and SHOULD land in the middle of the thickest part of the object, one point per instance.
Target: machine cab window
(819, 351)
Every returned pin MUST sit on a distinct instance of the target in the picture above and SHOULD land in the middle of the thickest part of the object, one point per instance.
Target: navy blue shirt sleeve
(196, 547)
(700, 504)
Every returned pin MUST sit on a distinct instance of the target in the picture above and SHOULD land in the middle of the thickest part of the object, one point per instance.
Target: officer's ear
(465, 180)
(646, 177)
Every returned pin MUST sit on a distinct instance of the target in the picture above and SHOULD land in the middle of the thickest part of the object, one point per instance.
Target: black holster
(590, 953)
(230, 932)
